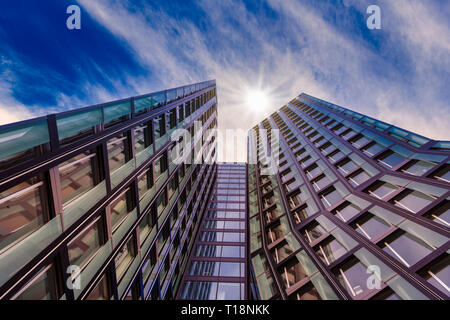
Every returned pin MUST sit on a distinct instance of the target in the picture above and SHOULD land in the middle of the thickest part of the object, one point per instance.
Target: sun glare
(257, 99)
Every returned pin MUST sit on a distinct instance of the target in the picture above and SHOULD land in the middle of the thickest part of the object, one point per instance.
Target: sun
(257, 99)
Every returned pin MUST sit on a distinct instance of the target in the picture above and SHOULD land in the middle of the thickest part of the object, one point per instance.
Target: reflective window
(142, 137)
(372, 149)
(440, 214)
(412, 200)
(347, 211)
(390, 159)
(124, 258)
(359, 177)
(418, 167)
(86, 244)
(353, 276)
(101, 291)
(120, 208)
(438, 274)
(293, 272)
(370, 225)
(442, 174)
(307, 292)
(381, 190)
(23, 210)
(330, 197)
(78, 175)
(406, 248)
(229, 291)
(42, 287)
(118, 153)
(330, 250)
(313, 232)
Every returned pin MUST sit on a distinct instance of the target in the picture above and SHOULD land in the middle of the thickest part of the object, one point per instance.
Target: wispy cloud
(284, 47)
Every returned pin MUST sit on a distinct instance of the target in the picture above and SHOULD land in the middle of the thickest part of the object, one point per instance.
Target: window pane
(43, 287)
(124, 258)
(86, 244)
(77, 176)
(120, 207)
(101, 290)
(229, 291)
(117, 155)
(22, 211)
(413, 201)
(407, 248)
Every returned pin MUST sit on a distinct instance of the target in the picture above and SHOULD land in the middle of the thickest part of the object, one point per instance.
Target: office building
(358, 208)
(92, 205)
(218, 264)
(99, 203)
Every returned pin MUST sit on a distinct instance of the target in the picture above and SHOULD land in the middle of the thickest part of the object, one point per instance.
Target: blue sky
(399, 74)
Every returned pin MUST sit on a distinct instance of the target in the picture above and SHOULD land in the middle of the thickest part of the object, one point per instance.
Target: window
(390, 159)
(293, 272)
(78, 175)
(83, 247)
(281, 252)
(330, 197)
(412, 200)
(43, 286)
(372, 149)
(418, 167)
(149, 265)
(442, 174)
(159, 126)
(230, 291)
(438, 274)
(353, 276)
(275, 233)
(118, 153)
(359, 141)
(101, 291)
(347, 211)
(440, 214)
(23, 210)
(320, 182)
(313, 232)
(146, 225)
(160, 166)
(359, 177)
(381, 190)
(145, 182)
(306, 292)
(302, 213)
(370, 226)
(330, 250)
(161, 202)
(335, 156)
(406, 248)
(231, 269)
(313, 171)
(142, 137)
(124, 258)
(347, 166)
(120, 208)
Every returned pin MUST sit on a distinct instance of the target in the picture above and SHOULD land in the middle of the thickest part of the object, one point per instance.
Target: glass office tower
(357, 209)
(92, 203)
(218, 264)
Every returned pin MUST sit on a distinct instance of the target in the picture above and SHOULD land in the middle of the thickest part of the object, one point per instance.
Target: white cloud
(301, 53)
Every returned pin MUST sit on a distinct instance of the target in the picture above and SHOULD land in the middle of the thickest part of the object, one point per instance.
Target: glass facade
(357, 208)
(217, 266)
(91, 197)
